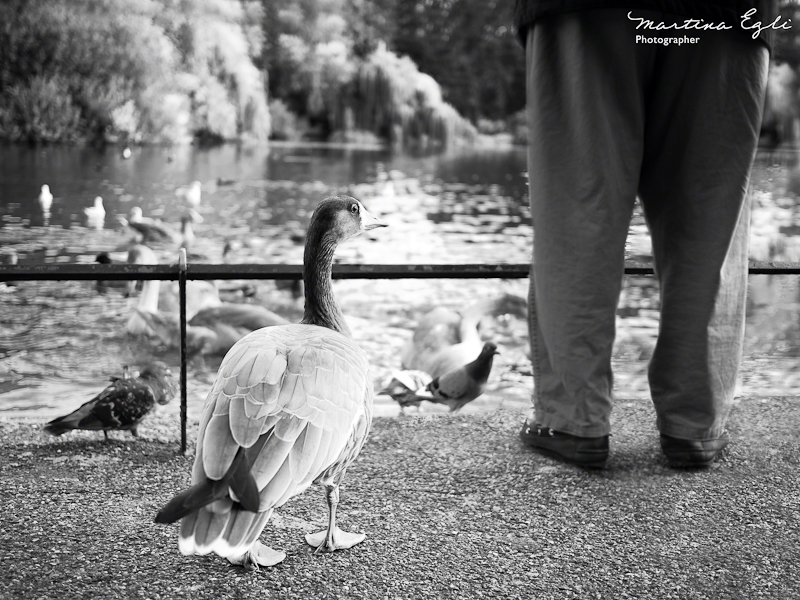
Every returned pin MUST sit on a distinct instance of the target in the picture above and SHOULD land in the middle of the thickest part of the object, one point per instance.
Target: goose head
(341, 217)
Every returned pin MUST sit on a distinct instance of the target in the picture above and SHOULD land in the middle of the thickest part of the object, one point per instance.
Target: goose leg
(259, 554)
(333, 538)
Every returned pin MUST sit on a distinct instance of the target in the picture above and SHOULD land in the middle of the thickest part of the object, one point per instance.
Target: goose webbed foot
(333, 538)
(325, 541)
(258, 555)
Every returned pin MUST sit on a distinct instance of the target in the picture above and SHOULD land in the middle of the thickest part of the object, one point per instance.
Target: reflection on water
(59, 340)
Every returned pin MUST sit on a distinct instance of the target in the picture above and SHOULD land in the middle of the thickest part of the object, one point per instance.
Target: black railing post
(182, 299)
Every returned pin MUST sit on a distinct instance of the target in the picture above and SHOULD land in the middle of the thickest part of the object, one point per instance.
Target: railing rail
(85, 272)
(183, 271)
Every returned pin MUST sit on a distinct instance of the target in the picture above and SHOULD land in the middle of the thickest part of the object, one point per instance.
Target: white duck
(45, 200)
(192, 194)
(95, 214)
(291, 406)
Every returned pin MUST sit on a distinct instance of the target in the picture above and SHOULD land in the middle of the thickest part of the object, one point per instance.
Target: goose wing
(289, 406)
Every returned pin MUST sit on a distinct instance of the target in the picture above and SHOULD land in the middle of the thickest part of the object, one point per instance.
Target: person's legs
(585, 79)
(702, 126)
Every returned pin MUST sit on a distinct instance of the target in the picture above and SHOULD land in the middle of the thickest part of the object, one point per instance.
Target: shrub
(285, 125)
(41, 110)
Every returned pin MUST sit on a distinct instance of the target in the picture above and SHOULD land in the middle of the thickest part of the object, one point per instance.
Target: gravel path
(453, 507)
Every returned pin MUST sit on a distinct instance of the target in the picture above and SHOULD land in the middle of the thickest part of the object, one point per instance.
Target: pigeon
(454, 389)
(123, 404)
(403, 387)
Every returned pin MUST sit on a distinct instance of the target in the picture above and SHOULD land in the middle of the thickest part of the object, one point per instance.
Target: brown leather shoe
(585, 452)
(683, 454)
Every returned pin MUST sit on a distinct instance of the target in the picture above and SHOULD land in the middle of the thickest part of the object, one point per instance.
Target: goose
(213, 330)
(123, 404)
(445, 340)
(149, 229)
(291, 405)
(96, 214)
(455, 389)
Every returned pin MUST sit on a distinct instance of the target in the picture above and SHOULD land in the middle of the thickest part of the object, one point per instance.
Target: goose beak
(369, 221)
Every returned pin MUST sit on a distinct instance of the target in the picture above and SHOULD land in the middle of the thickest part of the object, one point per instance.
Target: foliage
(285, 124)
(470, 47)
(328, 63)
(40, 109)
(137, 69)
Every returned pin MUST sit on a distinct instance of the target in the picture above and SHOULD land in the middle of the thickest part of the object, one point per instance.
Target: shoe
(692, 453)
(585, 452)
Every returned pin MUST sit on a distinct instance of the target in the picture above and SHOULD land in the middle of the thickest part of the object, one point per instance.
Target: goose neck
(321, 307)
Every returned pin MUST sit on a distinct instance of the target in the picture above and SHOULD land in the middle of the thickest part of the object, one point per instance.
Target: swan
(291, 405)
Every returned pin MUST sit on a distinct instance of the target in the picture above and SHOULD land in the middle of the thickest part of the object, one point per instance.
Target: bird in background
(45, 202)
(95, 214)
(291, 405)
(454, 389)
(194, 194)
(123, 404)
(149, 229)
(445, 339)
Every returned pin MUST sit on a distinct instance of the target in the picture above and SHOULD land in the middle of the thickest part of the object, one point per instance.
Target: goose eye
(354, 209)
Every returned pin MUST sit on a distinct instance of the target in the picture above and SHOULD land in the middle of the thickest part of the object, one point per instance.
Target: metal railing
(182, 271)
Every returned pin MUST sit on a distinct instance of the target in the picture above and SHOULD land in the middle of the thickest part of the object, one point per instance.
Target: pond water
(60, 340)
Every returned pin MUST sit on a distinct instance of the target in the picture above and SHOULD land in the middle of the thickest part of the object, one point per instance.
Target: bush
(40, 110)
(285, 125)
(392, 98)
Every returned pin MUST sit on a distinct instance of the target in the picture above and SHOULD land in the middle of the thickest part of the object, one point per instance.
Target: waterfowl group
(123, 404)
(291, 405)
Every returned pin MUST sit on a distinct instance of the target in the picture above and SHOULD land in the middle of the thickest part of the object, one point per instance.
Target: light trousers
(610, 119)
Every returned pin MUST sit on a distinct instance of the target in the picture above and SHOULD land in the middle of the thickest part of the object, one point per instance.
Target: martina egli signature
(748, 22)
